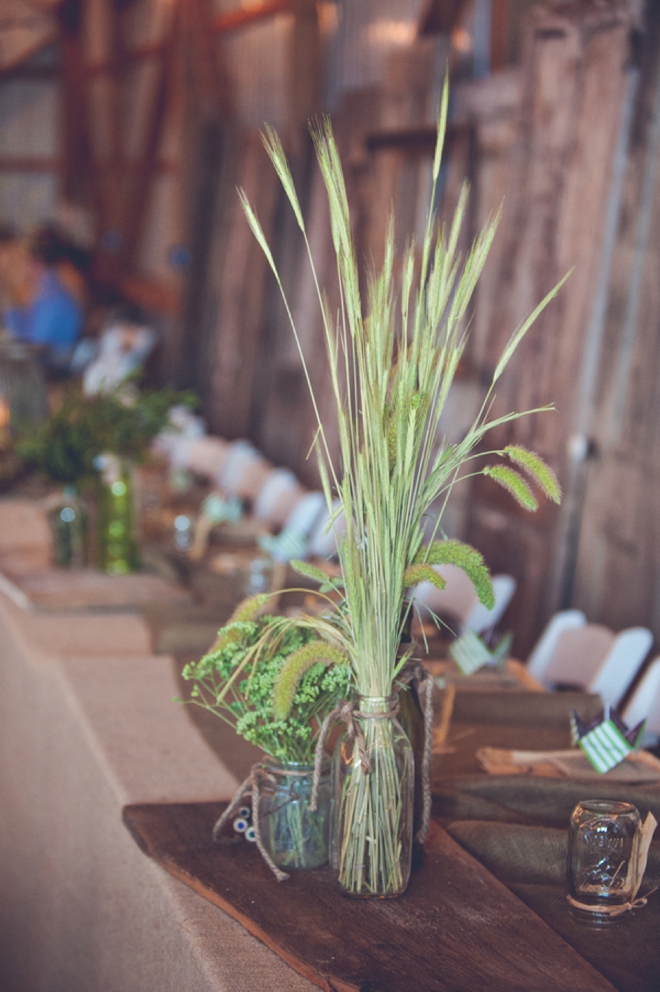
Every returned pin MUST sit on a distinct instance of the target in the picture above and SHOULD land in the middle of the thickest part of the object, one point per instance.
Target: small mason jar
(293, 835)
(602, 851)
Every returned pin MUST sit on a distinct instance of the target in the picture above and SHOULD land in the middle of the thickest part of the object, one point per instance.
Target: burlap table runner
(531, 861)
(516, 825)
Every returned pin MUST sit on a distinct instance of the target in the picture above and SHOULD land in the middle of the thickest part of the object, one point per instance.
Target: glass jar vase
(603, 840)
(294, 836)
(68, 525)
(373, 776)
(117, 547)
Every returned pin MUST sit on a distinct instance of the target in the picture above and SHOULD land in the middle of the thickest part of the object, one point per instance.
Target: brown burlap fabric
(531, 861)
(531, 799)
(516, 825)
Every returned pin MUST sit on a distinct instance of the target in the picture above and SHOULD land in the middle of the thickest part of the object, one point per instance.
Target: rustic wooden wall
(575, 83)
(617, 561)
(570, 138)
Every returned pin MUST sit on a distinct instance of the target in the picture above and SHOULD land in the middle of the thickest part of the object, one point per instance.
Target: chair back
(305, 514)
(324, 540)
(621, 664)
(457, 599)
(544, 650)
(480, 618)
(645, 701)
(277, 497)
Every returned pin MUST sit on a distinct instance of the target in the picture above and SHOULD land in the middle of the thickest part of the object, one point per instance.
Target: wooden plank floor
(456, 929)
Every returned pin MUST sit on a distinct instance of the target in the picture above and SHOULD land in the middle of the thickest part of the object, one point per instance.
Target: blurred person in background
(47, 308)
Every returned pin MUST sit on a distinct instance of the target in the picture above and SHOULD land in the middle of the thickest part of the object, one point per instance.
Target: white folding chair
(592, 657)
(621, 664)
(243, 471)
(206, 456)
(323, 540)
(294, 539)
(480, 619)
(546, 646)
(278, 495)
(645, 704)
(460, 600)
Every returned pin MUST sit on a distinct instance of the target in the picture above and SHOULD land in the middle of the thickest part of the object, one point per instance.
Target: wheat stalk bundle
(391, 364)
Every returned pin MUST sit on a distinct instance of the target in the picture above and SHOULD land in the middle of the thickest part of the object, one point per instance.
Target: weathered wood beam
(221, 24)
(501, 13)
(137, 200)
(305, 71)
(18, 67)
(31, 163)
(79, 182)
(411, 139)
(441, 16)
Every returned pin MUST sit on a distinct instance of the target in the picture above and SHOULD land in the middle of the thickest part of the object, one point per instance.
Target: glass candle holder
(602, 856)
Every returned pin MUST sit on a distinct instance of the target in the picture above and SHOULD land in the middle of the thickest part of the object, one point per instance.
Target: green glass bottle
(68, 523)
(117, 547)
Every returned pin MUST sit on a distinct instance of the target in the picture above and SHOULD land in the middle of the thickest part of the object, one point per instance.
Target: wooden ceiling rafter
(13, 68)
(442, 16)
(137, 198)
(220, 24)
(116, 187)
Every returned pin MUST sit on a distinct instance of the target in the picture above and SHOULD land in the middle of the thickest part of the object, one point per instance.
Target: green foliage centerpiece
(391, 364)
(93, 442)
(236, 681)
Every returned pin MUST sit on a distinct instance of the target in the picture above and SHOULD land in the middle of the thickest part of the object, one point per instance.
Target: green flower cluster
(236, 682)
(122, 423)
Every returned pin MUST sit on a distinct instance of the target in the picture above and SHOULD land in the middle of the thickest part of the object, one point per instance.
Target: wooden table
(456, 929)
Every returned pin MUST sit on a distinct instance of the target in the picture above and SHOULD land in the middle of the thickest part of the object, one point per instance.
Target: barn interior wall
(572, 98)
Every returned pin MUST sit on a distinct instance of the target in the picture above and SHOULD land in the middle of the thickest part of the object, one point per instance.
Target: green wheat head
(514, 484)
(538, 471)
(297, 665)
(452, 552)
(248, 609)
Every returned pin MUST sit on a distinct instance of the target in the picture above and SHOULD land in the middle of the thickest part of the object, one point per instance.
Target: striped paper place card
(605, 746)
(469, 652)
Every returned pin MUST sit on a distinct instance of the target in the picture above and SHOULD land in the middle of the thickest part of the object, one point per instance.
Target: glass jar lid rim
(301, 766)
(608, 806)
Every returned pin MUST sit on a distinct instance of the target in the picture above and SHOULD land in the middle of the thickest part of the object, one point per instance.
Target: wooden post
(78, 183)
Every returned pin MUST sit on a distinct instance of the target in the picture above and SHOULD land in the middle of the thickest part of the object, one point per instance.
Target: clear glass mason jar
(602, 850)
(372, 811)
(68, 524)
(293, 835)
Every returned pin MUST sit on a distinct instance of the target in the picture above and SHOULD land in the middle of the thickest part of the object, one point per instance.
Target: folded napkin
(638, 767)
(533, 799)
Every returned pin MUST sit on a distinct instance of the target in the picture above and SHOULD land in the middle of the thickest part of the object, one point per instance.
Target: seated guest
(124, 346)
(52, 316)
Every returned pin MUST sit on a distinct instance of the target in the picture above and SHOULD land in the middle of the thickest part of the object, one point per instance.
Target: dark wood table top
(456, 929)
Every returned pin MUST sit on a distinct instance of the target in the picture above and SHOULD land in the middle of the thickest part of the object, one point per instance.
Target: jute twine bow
(348, 714)
(251, 787)
(612, 911)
